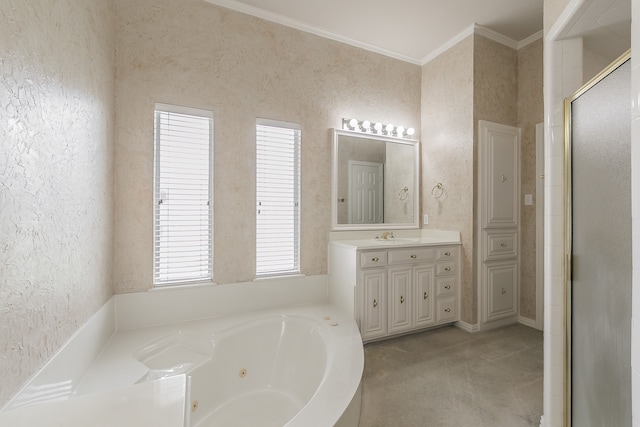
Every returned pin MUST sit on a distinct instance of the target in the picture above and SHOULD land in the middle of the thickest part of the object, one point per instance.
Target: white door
(365, 192)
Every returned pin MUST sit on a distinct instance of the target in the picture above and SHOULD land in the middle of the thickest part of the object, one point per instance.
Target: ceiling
(411, 30)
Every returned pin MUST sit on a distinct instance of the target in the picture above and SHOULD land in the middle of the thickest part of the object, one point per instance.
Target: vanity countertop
(403, 238)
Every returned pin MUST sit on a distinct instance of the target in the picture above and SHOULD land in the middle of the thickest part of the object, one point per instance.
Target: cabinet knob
(375, 303)
(503, 244)
(447, 269)
(504, 291)
(414, 256)
(447, 253)
(448, 287)
(447, 310)
(425, 296)
(375, 259)
(401, 299)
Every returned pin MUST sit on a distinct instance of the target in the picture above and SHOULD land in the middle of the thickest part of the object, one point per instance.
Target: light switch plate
(425, 219)
(528, 199)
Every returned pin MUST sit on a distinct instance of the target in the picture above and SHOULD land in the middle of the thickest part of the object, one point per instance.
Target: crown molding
(496, 36)
(532, 38)
(449, 44)
(293, 23)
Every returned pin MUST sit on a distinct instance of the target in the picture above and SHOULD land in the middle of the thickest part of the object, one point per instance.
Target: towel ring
(404, 194)
(437, 190)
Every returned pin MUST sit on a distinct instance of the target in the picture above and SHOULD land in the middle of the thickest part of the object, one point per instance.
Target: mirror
(375, 182)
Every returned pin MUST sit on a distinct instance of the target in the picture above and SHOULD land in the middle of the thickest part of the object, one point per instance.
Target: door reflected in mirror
(375, 181)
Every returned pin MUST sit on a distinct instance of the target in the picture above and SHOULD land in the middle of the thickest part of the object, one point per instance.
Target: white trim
(278, 124)
(540, 226)
(293, 23)
(485, 32)
(528, 322)
(449, 44)
(180, 109)
(496, 36)
(532, 38)
(467, 327)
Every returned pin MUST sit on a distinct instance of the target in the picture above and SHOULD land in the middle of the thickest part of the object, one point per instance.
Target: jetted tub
(289, 367)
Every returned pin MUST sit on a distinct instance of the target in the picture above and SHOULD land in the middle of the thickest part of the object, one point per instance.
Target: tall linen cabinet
(498, 223)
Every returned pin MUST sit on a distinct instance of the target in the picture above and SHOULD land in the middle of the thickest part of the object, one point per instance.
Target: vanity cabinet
(399, 290)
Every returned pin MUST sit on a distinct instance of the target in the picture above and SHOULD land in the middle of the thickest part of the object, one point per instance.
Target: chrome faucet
(386, 235)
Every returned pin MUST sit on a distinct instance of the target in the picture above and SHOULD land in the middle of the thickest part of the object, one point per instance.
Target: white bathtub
(298, 366)
(271, 370)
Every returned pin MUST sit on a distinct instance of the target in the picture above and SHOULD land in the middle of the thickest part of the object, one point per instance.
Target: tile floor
(448, 377)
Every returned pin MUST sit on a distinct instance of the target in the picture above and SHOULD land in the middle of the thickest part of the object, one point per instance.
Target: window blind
(183, 211)
(277, 198)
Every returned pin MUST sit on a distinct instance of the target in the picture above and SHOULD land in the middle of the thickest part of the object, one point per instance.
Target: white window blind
(277, 198)
(183, 211)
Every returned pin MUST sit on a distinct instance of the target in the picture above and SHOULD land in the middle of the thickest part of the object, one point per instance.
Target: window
(277, 198)
(183, 208)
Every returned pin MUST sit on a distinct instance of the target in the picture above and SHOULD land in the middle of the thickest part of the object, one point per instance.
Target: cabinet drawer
(501, 245)
(410, 255)
(373, 259)
(446, 310)
(446, 268)
(446, 286)
(446, 254)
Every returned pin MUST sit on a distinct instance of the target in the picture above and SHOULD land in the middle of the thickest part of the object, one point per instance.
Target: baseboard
(498, 323)
(528, 322)
(467, 327)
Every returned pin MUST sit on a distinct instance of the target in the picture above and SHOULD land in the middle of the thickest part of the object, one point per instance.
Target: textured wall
(477, 79)
(56, 174)
(448, 155)
(530, 113)
(240, 67)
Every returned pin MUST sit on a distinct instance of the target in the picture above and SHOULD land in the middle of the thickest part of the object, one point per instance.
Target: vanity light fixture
(378, 128)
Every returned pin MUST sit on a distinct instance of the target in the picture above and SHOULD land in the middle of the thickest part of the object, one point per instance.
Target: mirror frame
(334, 182)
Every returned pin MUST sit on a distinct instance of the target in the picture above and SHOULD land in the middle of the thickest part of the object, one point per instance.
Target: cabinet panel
(446, 286)
(411, 255)
(373, 259)
(446, 268)
(374, 311)
(499, 173)
(501, 279)
(501, 244)
(400, 313)
(423, 278)
(446, 310)
(447, 253)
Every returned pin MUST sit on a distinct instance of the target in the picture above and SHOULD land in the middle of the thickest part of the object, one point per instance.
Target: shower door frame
(568, 227)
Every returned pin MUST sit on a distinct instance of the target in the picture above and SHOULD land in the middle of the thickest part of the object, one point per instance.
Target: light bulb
(366, 125)
(389, 128)
(411, 131)
(353, 123)
(378, 127)
(400, 130)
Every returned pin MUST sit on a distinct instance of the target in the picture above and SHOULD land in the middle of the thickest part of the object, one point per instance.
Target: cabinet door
(423, 279)
(374, 312)
(399, 282)
(501, 279)
(499, 172)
